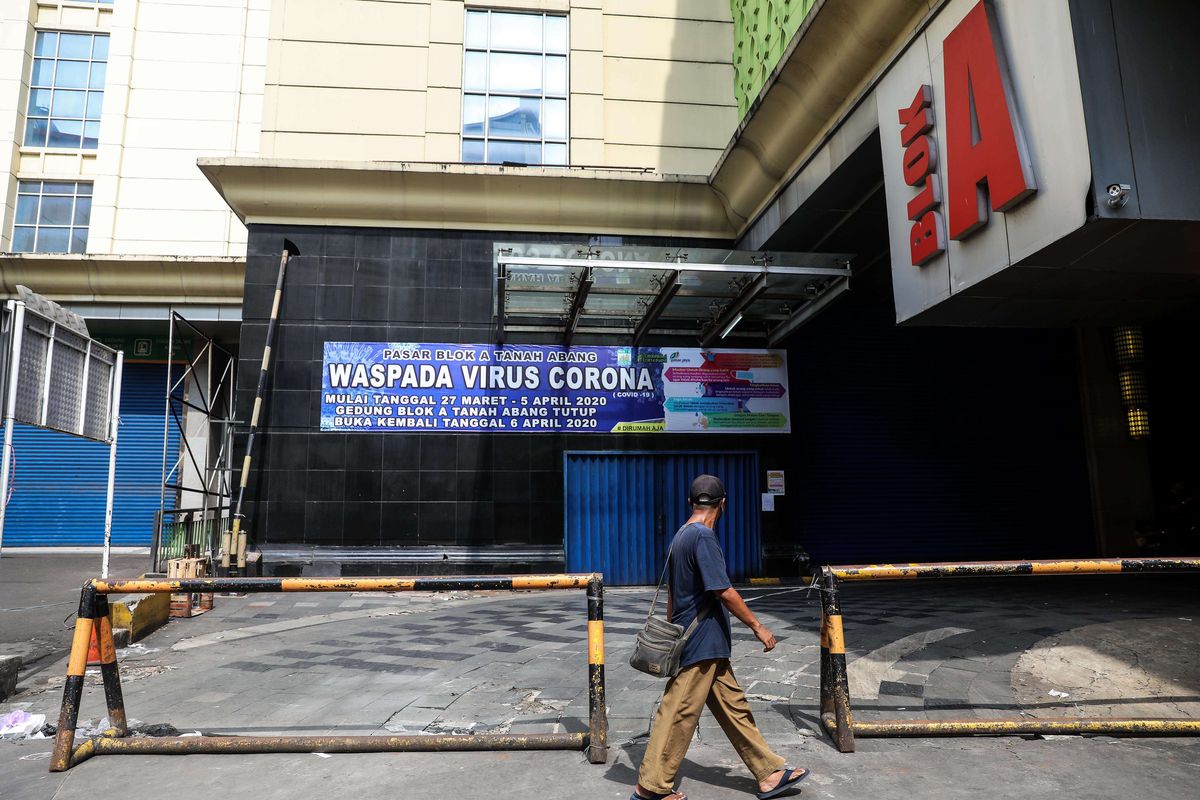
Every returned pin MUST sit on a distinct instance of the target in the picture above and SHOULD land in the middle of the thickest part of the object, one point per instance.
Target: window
(515, 88)
(66, 89)
(52, 217)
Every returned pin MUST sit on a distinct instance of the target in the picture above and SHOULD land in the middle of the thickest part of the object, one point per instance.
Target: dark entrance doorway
(622, 508)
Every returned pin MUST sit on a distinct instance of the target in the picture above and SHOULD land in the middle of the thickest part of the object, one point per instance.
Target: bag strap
(700, 615)
(663, 577)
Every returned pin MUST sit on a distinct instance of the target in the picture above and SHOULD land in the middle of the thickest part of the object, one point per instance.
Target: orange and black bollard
(64, 739)
(834, 677)
(597, 705)
(108, 669)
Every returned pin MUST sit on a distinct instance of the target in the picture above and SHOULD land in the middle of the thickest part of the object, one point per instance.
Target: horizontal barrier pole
(431, 584)
(1052, 725)
(950, 569)
(186, 745)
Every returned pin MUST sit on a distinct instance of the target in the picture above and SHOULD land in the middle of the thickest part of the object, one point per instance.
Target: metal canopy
(630, 292)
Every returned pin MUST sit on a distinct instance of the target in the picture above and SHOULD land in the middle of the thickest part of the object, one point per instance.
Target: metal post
(114, 422)
(842, 724)
(237, 537)
(64, 739)
(162, 491)
(108, 668)
(10, 405)
(597, 706)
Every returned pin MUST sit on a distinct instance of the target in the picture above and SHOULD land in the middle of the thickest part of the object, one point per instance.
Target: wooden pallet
(194, 603)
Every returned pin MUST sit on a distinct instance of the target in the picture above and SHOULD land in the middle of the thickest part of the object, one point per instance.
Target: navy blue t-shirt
(697, 570)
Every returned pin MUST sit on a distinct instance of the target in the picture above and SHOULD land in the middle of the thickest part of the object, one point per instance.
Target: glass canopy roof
(637, 293)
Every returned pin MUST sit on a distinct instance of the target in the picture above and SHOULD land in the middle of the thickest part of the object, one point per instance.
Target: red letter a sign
(984, 145)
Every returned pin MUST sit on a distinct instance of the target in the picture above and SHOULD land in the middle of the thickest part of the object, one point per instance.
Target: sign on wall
(984, 146)
(483, 388)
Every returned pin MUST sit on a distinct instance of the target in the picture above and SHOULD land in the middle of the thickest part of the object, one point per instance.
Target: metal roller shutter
(622, 509)
(58, 492)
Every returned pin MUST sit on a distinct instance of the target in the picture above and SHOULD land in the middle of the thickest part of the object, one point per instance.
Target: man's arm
(737, 606)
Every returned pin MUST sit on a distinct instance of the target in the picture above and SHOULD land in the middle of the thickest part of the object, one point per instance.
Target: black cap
(707, 490)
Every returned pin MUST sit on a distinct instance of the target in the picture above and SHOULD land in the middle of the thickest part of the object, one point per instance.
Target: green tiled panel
(762, 29)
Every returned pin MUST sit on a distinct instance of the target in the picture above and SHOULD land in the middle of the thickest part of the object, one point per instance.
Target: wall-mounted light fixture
(1130, 350)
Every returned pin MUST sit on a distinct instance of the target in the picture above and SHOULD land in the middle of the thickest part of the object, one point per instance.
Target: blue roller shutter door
(60, 480)
(622, 509)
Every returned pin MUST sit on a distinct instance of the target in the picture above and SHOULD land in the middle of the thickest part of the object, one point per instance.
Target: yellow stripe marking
(837, 641)
(550, 581)
(254, 414)
(77, 663)
(595, 641)
(266, 358)
(1081, 567)
(275, 304)
(108, 650)
(245, 478)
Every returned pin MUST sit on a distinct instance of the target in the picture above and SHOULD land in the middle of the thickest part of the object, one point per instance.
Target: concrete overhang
(829, 68)
(125, 279)
(468, 197)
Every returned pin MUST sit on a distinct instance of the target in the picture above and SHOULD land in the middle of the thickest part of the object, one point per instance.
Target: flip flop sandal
(788, 780)
(636, 796)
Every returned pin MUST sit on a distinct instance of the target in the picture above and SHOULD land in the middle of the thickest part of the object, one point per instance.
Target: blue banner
(471, 388)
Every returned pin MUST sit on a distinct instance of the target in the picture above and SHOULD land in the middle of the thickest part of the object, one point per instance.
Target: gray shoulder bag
(660, 642)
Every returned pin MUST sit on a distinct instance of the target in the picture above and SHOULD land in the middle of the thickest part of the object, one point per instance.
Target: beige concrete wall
(651, 81)
(184, 79)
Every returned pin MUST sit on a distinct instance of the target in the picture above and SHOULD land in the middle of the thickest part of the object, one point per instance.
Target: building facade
(966, 230)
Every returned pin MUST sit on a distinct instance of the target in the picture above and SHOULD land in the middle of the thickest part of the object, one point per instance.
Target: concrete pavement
(308, 664)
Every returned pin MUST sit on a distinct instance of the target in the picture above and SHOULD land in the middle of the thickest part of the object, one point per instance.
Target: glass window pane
(79, 240)
(29, 187)
(555, 154)
(554, 121)
(473, 106)
(71, 74)
(27, 208)
(39, 102)
(45, 44)
(100, 48)
(520, 152)
(472, 151)
(68, 103)
(43, 72)
(83, 189)
(516, 31)
(475, 71)
(56, 210)
(91, 135)
(95, 101)
(516, 73)
(556, 75)
(515, 117)
(22, 241)
(83, 211)
(35, 132)
(477, 29)
(53, 240)
(65, 133)
(96, 81)
(75, 45)
(58, 187)
(556, 34)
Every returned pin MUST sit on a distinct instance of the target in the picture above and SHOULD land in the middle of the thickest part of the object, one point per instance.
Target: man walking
(699, 584)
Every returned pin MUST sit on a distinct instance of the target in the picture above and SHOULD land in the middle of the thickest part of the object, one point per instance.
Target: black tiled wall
(401, 489)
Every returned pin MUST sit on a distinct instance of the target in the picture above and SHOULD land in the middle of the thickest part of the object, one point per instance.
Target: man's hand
(766, 637)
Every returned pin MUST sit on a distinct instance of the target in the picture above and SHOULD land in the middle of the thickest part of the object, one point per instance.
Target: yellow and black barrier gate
(93, 612)
(837, 717)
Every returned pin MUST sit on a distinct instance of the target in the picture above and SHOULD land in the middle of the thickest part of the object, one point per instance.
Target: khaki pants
(708, 683)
